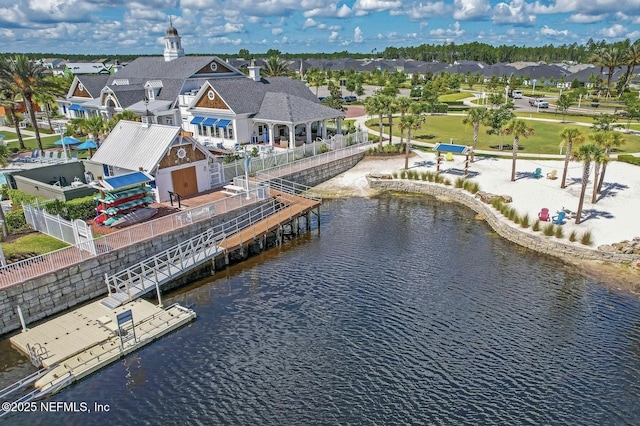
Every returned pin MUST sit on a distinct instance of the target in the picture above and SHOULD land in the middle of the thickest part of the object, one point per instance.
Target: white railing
(23, 270)
(274, 158)
(306, 163)
(162, 267)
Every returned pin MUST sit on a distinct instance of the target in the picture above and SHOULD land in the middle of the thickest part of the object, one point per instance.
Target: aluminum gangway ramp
(163, 267)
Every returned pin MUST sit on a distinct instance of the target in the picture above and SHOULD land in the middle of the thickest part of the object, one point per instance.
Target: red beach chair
(544, 215)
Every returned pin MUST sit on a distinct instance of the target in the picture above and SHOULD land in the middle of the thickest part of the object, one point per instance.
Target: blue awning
(197, 120)
(223, 123)
(123, 181)
(209, 121)
(76, 107)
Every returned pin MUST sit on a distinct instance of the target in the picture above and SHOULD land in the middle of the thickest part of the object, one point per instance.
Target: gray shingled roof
(293, 109)
(245, 96)
(156, 68)
(94, 83)
(128, 95)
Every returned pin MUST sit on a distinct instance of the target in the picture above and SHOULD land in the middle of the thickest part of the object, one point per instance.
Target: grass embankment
(30, 245)
(545, 140)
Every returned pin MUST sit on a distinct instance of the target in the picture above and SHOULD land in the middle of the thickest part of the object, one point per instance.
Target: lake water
(402, 310)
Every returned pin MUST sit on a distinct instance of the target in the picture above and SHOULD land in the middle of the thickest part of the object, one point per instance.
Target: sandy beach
(612, 219)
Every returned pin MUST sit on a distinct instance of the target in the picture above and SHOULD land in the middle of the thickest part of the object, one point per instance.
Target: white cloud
(418, 11)
(471, 9)
(545, 30)
(581, 18)
(309, 23)
(357, 35)
(364, 7)
(233, 28)
(333, 36)
(329, 11)
(276, 31)
(448, 33)
(225, 40)
(614, 31)
(512, 13)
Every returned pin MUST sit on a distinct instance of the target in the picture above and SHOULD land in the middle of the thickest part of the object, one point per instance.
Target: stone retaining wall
(503, 226)
(50, 294)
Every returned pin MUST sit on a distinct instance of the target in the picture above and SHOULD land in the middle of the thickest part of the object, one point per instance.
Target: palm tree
(570, 136)
(517, 128)
(373, 105)
(403, 103)
(410, 122)
(275, 67)
(389, 108)
(631, 58)
(7, 100)
(587, 153)
(28, 78)
(612, 58)
(475, 117)
(612, 139)
(598, 138)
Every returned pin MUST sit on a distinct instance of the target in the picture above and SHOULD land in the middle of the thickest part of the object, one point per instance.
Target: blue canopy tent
(68, 141)
(453, 149)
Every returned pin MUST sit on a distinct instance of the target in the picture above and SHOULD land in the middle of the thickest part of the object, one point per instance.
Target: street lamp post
(579, 99)
(534, 86)
(64, 148)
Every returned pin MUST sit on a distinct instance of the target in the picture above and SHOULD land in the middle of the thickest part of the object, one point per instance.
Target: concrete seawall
(53, 293)
(504, 227)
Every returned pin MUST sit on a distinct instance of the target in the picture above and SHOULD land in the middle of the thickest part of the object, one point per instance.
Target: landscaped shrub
(15, 220)
(17, 197)
(459, 182)
(559, 232)
(524, 221)
(586, 238)
(548, 229)
(447, 182)
(423, 176)
(431, 176)
(573, 236)
(536, 225)
(81, 208)
(629, 159)
(497, 203)
(395, 175)
(403, 174)
(472, 187)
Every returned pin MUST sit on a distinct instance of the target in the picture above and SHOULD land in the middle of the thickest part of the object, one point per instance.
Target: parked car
(349, 99)
(516, 94)
(538, 102)
(322, 98)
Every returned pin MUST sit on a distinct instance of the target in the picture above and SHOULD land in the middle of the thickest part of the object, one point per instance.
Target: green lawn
(545, 140)
(452, 97)
(29, 245)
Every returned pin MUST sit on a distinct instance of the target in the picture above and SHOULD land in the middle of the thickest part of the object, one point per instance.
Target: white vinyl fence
(75, 233)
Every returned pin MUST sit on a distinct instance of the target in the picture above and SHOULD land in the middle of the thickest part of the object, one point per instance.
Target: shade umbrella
(68, 141)
(89, 144)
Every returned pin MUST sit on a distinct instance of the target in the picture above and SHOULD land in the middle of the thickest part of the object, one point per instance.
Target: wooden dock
(296, 206)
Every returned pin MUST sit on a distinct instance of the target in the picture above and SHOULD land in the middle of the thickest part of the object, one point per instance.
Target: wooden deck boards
(295, 207)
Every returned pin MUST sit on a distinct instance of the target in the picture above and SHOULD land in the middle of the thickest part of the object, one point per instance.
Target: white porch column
(292, 136)
(339, 125)
(324, 129)
(307, 127)
(271, 138)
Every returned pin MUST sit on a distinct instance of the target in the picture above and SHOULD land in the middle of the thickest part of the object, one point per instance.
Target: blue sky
(293, 26)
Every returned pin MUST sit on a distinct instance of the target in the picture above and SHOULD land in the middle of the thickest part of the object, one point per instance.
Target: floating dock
(81, 342)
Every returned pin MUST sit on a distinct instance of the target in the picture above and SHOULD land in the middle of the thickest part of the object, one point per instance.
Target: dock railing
(17, 272)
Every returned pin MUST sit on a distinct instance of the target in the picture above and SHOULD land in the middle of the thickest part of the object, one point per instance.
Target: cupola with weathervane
(172, 45)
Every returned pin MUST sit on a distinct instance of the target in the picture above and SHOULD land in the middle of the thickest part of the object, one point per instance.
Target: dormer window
(151, 94)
